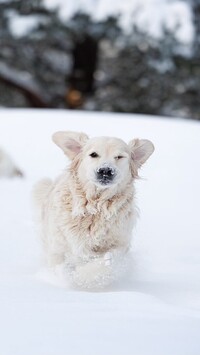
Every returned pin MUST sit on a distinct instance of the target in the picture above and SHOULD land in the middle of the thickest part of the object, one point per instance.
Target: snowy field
(153, 311)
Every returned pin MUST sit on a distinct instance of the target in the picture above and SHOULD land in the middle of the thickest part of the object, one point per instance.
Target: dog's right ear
(70, 142)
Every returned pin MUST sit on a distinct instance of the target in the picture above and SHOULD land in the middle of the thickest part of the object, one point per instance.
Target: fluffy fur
(86, 221)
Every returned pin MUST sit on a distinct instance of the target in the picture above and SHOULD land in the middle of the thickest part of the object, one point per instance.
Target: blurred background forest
(119, 62)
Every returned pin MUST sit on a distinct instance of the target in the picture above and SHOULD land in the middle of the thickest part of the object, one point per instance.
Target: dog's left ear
(141, 150)
(70, 142)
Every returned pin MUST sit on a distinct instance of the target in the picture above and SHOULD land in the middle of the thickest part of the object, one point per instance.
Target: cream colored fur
(84, 224)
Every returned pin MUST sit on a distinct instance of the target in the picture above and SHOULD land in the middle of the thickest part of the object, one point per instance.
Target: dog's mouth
(105, 181)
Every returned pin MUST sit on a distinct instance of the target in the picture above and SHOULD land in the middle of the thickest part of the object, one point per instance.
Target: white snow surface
(155, 309)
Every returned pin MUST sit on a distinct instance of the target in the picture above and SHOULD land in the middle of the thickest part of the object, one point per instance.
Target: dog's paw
(94, 274)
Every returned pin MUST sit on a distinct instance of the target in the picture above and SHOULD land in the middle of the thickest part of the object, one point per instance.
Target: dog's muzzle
(105, 175)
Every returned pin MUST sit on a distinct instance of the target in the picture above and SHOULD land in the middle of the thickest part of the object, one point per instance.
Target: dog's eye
(119, 157)
(94, 155)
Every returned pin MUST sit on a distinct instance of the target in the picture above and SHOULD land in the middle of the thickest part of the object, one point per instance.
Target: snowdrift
(155, 309)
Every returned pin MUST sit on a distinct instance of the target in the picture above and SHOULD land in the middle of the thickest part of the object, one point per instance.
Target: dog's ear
(70, 142)
(141, 149)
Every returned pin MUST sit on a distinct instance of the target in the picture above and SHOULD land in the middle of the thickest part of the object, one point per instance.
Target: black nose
(105, 174)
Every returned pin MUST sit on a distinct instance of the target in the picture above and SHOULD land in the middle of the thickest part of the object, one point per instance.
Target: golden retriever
(87, 214)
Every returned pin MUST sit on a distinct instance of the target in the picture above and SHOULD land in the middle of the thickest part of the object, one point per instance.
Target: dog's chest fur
(95, 224)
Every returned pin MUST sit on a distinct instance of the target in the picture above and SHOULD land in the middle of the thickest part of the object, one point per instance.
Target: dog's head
(104, 161)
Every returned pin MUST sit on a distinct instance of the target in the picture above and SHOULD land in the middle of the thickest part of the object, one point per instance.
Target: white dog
(87, 214)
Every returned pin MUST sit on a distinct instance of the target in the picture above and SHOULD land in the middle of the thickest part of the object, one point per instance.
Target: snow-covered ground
(153, 311)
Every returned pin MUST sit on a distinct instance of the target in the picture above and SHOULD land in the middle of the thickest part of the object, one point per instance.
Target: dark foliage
(132, 73)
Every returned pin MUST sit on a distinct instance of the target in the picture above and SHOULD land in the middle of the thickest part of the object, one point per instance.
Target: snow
(156, 308)
(149, 15)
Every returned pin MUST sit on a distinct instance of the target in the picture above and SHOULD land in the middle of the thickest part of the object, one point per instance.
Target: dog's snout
(109, 172)
(105, 174)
